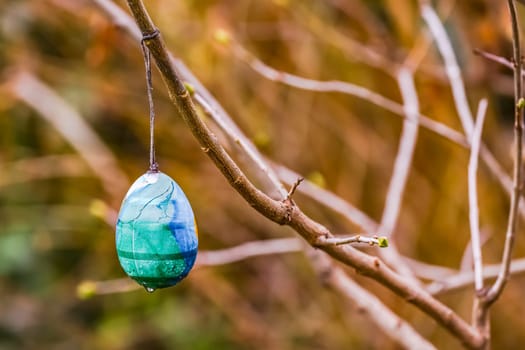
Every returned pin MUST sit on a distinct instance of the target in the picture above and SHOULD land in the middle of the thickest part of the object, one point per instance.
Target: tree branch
(496, 290)
(373, 241)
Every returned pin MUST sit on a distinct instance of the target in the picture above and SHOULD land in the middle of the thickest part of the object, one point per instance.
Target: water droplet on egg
(149, 289)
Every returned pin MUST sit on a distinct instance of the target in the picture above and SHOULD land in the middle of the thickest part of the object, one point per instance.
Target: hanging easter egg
(156, 234)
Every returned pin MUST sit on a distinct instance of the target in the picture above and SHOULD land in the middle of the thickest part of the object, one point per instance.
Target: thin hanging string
(153, 166)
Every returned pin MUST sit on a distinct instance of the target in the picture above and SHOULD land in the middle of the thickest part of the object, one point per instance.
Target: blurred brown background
(52, 202)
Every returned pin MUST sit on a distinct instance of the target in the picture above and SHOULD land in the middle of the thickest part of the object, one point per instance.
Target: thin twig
(464, 279)
(405, 153)
(373, 241)
(494, 58)
(329, 200)
(402, 164)
(286, 213)
(458, 89)
(88, 289)
(249, 250)
(496, 290)
(429, 271)
(294, 187)
(473, 195)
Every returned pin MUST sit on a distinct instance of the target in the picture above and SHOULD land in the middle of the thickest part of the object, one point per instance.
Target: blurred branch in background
(475, 235)
(392, 325)
(379, 100)
(342, 87)
(401, 170)
(45, 167)
(463, 279)
(451, 66)
(74, 129)
(248, 250)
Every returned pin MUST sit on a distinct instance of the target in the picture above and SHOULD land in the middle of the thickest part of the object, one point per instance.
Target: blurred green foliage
(51, 239)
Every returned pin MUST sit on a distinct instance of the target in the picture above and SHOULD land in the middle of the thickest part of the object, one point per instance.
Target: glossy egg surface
(156, 234)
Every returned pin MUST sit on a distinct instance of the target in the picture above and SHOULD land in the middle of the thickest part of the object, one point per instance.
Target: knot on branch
(150, 36)
(289, 206)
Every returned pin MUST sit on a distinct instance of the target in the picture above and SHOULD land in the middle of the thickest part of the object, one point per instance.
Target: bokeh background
(56, 208)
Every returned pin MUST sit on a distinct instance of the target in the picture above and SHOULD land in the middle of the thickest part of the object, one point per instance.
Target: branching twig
(519, 105)
(294, 187)
(494, 58)
(329, 200)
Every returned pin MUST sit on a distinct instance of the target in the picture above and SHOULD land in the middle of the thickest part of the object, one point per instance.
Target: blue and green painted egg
(156, 234)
